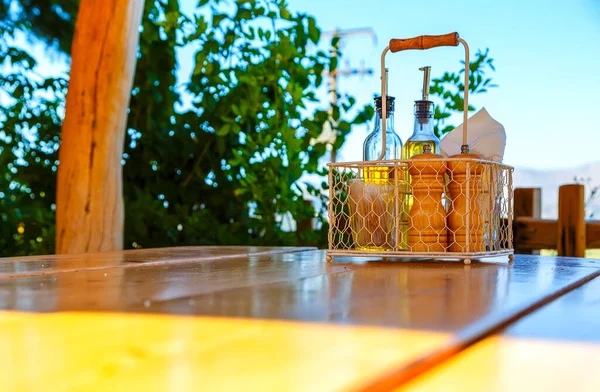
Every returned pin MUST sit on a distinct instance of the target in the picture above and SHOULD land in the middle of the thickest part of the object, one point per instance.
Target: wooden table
(242, 318)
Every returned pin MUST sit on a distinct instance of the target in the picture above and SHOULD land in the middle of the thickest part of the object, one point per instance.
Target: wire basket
(455, 208)
(384, 215)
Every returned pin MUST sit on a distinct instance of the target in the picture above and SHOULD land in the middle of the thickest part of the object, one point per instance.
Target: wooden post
(89, 215)
(571, 221)
(592, 229)
(304, 225)
(528, 203)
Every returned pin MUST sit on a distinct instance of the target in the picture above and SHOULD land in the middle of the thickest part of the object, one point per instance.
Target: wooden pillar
(528, 203)
(304, 225)
(571, 221)
(89, 215)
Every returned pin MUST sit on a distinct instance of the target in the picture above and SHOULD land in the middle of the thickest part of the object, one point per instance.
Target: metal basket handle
(420, 43)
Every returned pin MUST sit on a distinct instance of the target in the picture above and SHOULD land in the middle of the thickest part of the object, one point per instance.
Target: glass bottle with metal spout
(423, 129)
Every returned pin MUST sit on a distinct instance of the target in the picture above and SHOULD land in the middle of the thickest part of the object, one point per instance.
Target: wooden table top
(284, 319)
(555, 348)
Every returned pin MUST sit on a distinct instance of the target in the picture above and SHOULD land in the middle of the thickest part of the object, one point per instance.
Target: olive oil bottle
(423, 138)
(374, 213)
(423, 129)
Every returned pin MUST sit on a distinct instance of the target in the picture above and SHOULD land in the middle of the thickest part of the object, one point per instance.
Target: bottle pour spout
(426, 70)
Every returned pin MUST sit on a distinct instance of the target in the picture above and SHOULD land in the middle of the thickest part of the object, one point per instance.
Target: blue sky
(547, 57)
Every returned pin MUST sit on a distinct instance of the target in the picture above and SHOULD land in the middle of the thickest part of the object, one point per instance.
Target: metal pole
(333, 78)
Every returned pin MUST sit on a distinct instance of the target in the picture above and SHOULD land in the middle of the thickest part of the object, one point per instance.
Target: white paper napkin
(486, 137)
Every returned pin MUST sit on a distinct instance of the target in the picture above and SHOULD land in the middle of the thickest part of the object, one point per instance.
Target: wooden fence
(570, 235)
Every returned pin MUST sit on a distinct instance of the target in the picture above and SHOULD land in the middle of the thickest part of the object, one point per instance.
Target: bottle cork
(465, 218)
(427, 217)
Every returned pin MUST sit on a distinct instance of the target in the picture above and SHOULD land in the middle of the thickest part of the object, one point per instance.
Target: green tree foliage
(31, 110)
(50, 21)
(447, 91)
(216, 160)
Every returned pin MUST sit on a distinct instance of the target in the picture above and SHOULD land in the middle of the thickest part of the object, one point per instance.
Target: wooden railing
(570, 235)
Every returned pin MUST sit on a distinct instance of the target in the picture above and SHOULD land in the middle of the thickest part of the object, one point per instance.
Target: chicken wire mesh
(446, 208)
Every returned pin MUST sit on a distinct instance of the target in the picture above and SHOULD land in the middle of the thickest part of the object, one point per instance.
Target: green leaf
(243, 14)
(285, 14)
(224, 130)
(217, 18)
(333, 63)
(313, 31)
(344, 126)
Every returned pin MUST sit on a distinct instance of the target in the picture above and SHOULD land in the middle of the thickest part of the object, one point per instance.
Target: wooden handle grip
(423, 42)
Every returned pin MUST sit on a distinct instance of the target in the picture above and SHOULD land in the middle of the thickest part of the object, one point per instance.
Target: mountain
(550, 179)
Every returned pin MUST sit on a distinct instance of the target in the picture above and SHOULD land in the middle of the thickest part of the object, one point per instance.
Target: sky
(546, 53)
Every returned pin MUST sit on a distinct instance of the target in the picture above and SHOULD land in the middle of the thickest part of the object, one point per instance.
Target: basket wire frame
(371, 215)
